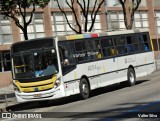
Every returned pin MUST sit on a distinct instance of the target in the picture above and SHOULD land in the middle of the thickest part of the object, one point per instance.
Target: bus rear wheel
(84, 89)
(131, 77)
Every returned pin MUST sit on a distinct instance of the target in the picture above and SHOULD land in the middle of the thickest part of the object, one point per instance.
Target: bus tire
(131, 77)
(84, 89)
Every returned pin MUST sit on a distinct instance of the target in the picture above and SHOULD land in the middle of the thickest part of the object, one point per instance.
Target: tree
(131, 10)
(86, 9)
(15, 8)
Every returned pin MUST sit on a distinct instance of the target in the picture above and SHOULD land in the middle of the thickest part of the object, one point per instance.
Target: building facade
(51, 22)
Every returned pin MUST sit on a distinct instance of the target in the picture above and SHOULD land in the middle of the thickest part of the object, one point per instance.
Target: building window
(5, 61)
(60, 25)
(143, 3)
(156, 3)
(157, 20)
(115, 3)
(97, 24)
(5, 31)
(116, 20)
(91, 3)
(141, 20)
(36, 27)
(63, 4)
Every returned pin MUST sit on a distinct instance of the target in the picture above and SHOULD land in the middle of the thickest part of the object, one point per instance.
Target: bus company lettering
(79, 55)
(92, 53)
(93, 67)
(85, 54)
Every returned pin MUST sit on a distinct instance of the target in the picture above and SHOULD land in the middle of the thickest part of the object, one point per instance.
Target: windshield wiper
(23, 62)
(40, 58)
(22, 59)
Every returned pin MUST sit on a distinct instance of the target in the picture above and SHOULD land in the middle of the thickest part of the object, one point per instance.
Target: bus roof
(101, 34)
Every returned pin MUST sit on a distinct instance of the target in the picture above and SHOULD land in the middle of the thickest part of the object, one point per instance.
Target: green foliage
(12, 4)
(12, 8)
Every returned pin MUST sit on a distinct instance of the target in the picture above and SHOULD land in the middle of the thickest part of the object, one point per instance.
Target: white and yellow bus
(51, 68)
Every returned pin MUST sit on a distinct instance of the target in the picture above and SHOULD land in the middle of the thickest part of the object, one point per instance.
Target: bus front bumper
(38, 96)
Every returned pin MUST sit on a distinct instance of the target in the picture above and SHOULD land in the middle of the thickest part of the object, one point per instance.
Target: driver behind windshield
(51, 69)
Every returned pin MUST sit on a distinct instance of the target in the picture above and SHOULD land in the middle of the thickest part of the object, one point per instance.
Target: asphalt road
(109, 103)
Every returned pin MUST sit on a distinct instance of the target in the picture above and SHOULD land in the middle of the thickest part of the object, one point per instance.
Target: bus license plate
(37, 95)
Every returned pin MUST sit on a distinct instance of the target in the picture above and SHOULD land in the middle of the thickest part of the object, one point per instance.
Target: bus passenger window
(136, 47)
(120, 40)
(143, 38)
(146, 47)
(107, 47)
(114, 51)
(121, 50)
(107, 52)
(93, 51)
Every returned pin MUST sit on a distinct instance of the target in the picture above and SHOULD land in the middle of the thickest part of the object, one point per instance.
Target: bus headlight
(15, 87)
(57, 83)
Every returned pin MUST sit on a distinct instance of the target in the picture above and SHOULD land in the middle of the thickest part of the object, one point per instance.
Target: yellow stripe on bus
(73, 37)
(39, 88)
(151, 43)
(75, 75)
(37, 83)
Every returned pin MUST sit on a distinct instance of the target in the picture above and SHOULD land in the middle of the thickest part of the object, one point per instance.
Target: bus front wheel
(131, 77)
(84, 89)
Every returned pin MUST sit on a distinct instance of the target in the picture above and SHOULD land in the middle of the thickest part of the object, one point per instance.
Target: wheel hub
(132, 77)
(84, 89)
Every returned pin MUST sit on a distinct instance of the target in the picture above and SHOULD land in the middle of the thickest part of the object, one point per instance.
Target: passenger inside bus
(145, 47)
(99, 55)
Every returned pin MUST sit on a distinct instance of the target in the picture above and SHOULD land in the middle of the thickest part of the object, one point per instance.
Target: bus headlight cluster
(57, 83)
(15, 87)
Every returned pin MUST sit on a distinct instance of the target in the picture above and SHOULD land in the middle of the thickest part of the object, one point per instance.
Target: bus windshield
(35, 64)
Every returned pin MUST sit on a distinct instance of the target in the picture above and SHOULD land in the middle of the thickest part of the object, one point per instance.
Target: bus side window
(132, 44)
(67, 59)
(66, 56)
(81, 51)
(108, 47)
(121, 45)
(144, 45)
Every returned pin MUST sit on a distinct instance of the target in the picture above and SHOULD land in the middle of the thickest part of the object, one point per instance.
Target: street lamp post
(156, 17)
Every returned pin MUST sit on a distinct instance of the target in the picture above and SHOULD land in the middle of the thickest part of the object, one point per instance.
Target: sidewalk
(7, 97)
